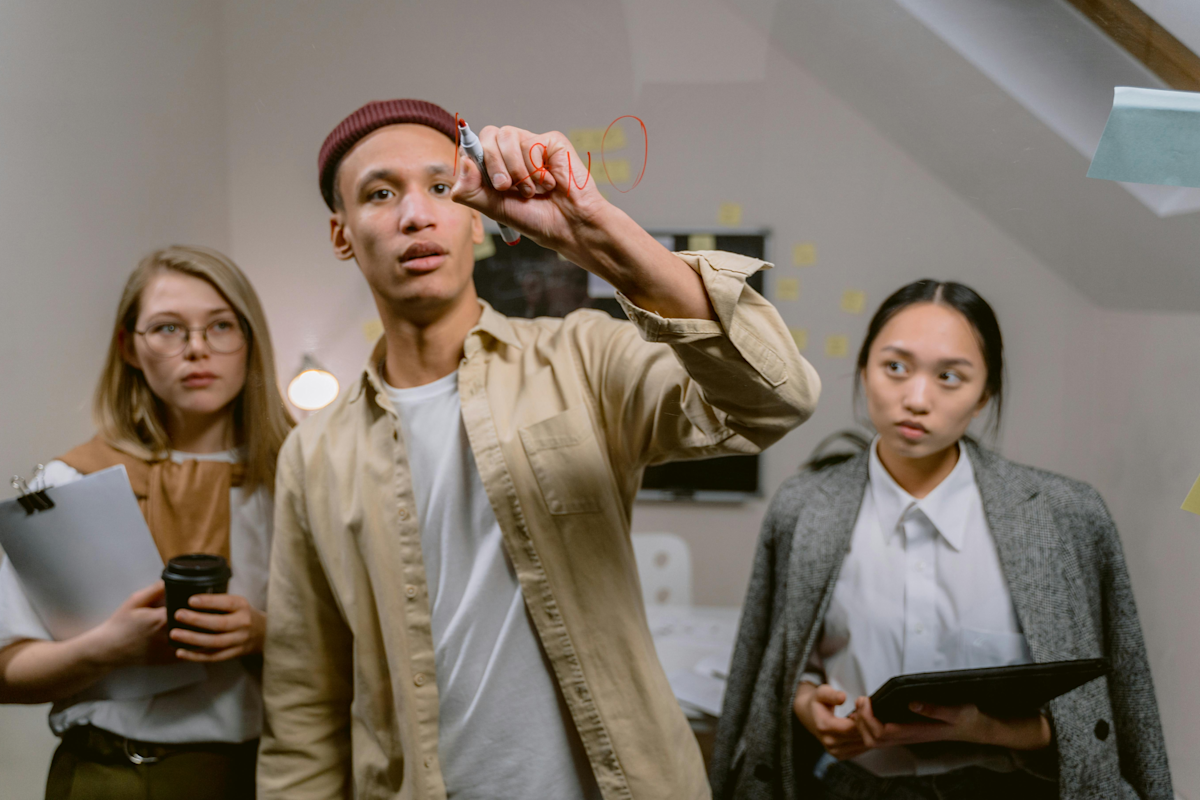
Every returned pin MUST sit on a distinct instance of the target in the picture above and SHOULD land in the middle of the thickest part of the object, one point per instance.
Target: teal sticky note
(1152, 136)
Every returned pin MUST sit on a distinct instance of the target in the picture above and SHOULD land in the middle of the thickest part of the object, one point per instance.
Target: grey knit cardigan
(1066, 572)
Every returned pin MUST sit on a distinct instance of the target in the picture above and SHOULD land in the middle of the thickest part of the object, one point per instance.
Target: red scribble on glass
(645, 155)
(539, 174)
(571, 172)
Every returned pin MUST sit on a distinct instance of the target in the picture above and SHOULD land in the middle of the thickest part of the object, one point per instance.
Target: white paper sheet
(80, 560)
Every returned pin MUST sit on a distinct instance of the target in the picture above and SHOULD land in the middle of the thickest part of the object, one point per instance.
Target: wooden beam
(1146, 40)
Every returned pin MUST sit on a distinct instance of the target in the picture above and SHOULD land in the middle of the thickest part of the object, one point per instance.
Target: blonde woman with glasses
(188, 402)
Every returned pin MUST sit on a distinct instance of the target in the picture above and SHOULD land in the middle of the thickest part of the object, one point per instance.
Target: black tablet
(1004, 692)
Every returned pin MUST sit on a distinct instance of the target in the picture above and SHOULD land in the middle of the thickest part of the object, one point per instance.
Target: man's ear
(128, 351)
(476, 227)
(342, 248)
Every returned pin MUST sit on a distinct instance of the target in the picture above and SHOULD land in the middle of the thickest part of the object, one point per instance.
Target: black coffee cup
(184, 576)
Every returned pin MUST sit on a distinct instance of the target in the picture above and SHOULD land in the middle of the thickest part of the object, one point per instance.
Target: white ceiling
(994, 152)
(1180, 17)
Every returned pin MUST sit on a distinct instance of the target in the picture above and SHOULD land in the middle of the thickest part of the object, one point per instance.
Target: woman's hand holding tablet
(964, 723)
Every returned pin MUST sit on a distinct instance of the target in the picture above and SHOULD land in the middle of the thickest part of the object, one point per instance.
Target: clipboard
(79, 551)
(1002, 692)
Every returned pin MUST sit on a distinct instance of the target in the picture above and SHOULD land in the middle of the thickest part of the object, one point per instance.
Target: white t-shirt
(225, 707)
(504, 729)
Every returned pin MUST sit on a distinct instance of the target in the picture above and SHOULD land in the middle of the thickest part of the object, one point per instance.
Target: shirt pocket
(566, 459)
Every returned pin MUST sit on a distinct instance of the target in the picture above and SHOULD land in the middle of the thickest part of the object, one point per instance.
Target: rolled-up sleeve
(736, 384)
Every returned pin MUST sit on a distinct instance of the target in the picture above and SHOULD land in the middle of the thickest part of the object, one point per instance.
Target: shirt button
(403, 513)
(428, 762)
(920, 566)
(919, 628)
(410, 591)
(419, 679)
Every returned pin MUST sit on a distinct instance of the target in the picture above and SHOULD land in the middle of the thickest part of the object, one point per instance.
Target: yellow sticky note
(615, 170)
(372, 329)
(702, 241)
(1192, 503)
(804, 254)
(486, 248)
(853, 301)
(836, 346)
(787, 289)
(616, 137)
(730, 214)
(800, 337)
(587, 139)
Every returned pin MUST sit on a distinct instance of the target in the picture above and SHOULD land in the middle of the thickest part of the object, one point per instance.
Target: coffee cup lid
(197, 565)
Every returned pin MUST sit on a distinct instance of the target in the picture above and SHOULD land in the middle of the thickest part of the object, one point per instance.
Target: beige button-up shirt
(562, 418)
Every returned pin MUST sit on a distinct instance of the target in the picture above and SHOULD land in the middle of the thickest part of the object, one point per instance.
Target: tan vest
(186, 505)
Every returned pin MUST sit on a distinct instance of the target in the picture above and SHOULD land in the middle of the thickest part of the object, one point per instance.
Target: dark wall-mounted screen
(526, 280)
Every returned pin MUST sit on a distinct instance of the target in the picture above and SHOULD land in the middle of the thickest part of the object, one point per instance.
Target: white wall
(113, 142)
(1148, 453)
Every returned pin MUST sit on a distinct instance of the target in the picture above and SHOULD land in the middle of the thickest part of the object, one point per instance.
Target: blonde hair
(130, 417)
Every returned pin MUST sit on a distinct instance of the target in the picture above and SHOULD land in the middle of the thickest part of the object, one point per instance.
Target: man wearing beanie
(455, 607)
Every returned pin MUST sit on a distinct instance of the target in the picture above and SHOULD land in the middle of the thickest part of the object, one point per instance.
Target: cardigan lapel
(819, 545)
(1032, 555)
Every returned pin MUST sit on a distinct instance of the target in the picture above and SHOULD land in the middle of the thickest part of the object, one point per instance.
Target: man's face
(414, 245)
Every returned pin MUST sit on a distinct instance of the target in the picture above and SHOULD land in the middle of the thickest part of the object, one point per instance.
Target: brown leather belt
(105, 746)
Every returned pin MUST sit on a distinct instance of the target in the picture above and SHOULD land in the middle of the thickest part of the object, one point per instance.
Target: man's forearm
(614, 247)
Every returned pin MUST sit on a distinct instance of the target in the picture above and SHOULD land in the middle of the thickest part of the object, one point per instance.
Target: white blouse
(225, 707)
(921, 590)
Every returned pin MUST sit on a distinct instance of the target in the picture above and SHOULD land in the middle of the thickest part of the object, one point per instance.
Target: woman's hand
(814, 707)
(238, 631)
(952, 723)
(134, 633)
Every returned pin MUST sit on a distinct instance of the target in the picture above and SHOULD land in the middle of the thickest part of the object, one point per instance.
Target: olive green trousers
(93, 764)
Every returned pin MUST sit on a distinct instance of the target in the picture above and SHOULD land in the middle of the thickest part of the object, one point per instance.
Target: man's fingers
(493, 162)
(508, 141)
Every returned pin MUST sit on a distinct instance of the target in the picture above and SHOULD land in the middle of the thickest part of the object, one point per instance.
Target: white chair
(664, 564)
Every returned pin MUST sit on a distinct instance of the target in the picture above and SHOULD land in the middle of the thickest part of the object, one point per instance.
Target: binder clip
(31, 501)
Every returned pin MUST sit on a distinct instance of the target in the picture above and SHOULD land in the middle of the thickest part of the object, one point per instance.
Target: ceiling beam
(1146, 40)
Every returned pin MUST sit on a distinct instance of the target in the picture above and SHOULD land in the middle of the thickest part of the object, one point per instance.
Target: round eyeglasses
(171, 338)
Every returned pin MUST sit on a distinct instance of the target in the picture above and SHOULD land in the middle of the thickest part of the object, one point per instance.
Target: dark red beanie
(373, 115)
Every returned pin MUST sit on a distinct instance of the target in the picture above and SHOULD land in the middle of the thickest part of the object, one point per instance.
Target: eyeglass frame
(203, 335)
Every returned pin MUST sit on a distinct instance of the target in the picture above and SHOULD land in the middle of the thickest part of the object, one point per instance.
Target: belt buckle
(136, 758)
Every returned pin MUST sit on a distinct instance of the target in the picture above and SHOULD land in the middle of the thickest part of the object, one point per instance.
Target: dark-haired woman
(926, 553)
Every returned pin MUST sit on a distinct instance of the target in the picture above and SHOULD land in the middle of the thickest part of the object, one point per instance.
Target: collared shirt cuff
(739, 313)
